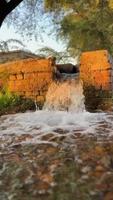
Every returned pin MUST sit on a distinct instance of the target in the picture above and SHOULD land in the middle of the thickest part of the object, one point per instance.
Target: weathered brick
(20, 76)
(95, 69)
(106, 86)
(28, 94)
(43, 93)
(40, 99)
(28, 65)
(29, 77)
(12, 77)
(21, 93)
(11, 86)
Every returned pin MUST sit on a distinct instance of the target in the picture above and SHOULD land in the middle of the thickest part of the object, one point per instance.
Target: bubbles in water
(43, 122)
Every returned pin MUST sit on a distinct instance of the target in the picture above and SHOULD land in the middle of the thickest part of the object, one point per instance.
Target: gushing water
(44, 150)
(65, 95)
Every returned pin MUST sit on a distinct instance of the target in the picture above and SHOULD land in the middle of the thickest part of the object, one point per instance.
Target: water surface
(56, 155)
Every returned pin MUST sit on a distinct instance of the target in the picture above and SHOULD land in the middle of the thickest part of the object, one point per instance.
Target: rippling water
(57, 123)
(54, 154)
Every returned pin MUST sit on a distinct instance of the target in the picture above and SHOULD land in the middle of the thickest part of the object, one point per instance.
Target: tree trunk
(6, 8)
(1, 20)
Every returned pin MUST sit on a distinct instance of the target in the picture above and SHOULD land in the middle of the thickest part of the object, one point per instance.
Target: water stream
(65, 95)
(63, 114)
(53, 154)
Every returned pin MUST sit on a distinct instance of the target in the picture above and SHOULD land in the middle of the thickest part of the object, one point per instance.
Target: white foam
(55, 120)
(43, 122)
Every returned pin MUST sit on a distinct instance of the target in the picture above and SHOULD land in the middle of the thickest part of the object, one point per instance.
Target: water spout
(65, 95)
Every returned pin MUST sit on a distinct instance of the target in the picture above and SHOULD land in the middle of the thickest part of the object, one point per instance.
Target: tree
(84, 24)
(26, 16)
(91, 33)
(10, 44)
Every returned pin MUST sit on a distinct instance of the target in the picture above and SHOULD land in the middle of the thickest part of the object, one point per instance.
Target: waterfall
(66, 94)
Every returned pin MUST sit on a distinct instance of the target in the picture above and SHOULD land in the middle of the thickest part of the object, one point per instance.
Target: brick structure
(96, 71)
(28, 77)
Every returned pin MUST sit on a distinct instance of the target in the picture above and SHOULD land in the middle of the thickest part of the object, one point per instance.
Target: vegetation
(12, 103)
(11, 44)
(61, 56)
(86, 25)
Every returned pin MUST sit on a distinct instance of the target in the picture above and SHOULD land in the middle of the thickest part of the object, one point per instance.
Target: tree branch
(12, 4)
(7, 7)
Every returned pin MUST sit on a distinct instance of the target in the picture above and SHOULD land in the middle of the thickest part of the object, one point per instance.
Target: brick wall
(96, 69)
(29, 77)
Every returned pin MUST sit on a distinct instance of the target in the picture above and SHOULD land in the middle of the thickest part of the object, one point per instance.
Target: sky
(30, 44)
(46, 40)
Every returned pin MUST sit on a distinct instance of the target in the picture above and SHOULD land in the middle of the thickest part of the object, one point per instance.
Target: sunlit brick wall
(96, 69)
(29, 77)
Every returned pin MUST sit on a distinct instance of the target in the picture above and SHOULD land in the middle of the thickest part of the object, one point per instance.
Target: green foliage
(12, 103)
(29, 18)
(86, 25)
(83, 24)
(93, 32)
(7, 99)
(80, 5)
